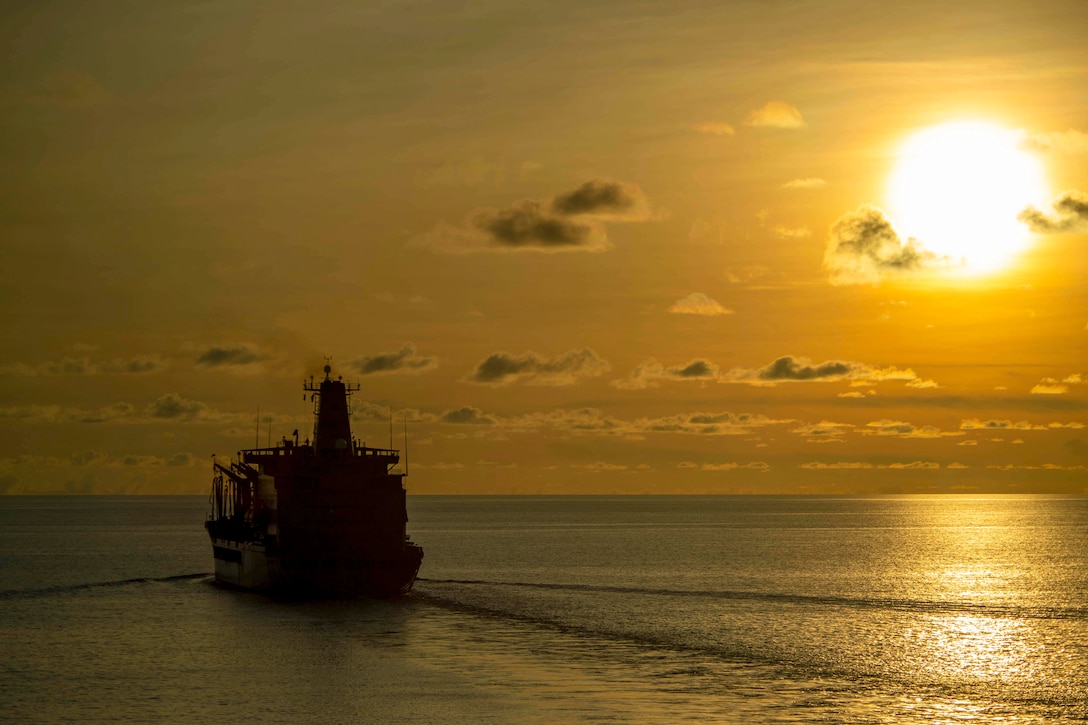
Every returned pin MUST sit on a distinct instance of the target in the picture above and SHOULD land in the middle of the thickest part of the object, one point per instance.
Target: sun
(958, 187)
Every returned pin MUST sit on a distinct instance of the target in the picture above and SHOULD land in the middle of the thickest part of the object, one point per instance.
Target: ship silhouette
(325, 518)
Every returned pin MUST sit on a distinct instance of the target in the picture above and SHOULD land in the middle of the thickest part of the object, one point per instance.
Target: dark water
(566, 609)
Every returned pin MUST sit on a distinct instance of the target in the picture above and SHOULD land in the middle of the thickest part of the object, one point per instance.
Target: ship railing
(380, 452)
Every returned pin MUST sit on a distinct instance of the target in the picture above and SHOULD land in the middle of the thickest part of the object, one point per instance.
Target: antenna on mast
(406, 444)
(257, 437)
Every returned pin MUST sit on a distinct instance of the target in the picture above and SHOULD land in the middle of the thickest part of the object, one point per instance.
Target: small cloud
(971, 442)
(599, 467)
(503, 368)
(976, 424)
(714, 128)
(179, 460)
(529, 224)
(864, 465)
(784, 232)
(230, 356)
(403, 361)
(441, 466)
(790, 369)
(741, 275)
(139, 365)
(903, 429)
(88, 458)
(650, 372)
(837, 466)
(604, 199)
(825, 431)
(1053, 386)
(571, 221)
(923, 384)
(734, 466)
(864, 248)
(173, 407)
(775, 114)
(698, 304)
(1070, 214)
(806, 184)
(1070, 142)
(470, 172)
(466, 415)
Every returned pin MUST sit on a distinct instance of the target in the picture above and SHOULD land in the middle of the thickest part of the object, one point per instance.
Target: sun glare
(958, 187)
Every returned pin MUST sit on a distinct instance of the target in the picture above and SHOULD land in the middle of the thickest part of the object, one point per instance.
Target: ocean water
(566, 610)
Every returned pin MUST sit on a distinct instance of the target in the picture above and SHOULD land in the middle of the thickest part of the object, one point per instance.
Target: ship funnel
(333, 426)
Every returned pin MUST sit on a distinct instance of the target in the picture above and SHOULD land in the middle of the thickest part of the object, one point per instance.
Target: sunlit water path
(573, 609)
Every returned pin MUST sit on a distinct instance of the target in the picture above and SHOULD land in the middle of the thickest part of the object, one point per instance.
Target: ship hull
(250, 565)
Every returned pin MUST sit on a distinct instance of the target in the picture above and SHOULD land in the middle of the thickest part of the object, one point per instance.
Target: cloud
(784, 232)
(404, 361)
(864, 248)
(1053, 386)
(1070, 142)
(88, 458)
(650, 372)
(775, 114)
(725, 423)
(903, 429)
(230, 356)
(698, 303)
(1070, 214)
(714, 128)
(976, 424)
(806, 184)
(604, 199)
(470, 172)
(503, 368)
(599, 467)
(57, 414)
(825, 431)
(864, 465)
(593, 422)
(740, 275)
(923, 384)
(571, 221)
(138, 365)
(466, 415)
(531, 225)
(730, 466)
(174, 407)
(790, 369)
(1040, 467)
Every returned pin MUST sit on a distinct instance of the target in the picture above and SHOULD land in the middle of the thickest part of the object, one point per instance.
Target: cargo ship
(321, 518)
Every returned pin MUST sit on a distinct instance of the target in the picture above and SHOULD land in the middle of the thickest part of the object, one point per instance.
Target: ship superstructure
(326, 517)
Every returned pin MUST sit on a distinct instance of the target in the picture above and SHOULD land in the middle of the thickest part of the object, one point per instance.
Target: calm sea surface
(566, 609)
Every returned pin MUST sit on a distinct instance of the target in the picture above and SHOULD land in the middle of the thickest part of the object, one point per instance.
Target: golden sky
(581, 247)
